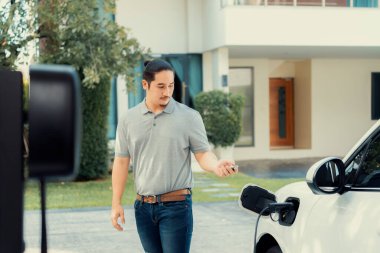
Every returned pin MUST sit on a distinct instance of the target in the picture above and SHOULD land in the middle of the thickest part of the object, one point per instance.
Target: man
(157, 136)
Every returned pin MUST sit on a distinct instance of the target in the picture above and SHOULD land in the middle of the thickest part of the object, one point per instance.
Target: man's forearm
(207, 161)
(119, 178)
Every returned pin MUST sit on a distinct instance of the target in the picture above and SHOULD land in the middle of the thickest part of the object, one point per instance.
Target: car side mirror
(326, 176)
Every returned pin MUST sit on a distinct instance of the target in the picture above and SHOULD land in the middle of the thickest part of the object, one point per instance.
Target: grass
(208, 188)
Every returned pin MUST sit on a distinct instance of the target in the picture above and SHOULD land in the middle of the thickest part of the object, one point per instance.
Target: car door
(349, 222)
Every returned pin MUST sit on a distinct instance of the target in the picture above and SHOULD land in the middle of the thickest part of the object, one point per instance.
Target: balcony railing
(321, 3)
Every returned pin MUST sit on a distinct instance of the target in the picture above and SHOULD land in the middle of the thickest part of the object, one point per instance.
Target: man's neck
(155, 108)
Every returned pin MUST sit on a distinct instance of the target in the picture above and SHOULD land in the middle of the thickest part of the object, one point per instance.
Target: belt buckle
(154, 198)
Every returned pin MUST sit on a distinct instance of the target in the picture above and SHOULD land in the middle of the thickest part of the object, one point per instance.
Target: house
(309, 69)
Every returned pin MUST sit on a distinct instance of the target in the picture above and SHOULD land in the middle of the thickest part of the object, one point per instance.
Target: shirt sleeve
(121, 142)
(198, 137)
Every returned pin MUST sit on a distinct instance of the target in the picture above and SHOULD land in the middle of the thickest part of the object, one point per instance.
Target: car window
(353, 167)
(364, 170)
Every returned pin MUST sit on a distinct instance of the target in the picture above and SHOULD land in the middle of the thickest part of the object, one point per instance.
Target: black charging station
(54, 122)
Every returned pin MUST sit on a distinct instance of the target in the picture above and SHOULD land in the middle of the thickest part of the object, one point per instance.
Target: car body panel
(347, 222)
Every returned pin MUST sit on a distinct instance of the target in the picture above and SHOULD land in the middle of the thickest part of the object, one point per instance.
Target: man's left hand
(225, 168)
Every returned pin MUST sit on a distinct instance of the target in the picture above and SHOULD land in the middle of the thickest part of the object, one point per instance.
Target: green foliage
(15, 30)
(94, 156)
(222, 116)
(82, 34)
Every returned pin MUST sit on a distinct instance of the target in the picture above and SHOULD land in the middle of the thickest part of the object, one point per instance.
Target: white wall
(213, 25)
(194, 26)
(341, 103)
(302, 105)
(304, 26)
(281, 69)
(160, 25)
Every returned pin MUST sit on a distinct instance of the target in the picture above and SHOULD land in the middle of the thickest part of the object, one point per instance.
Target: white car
(336, 210)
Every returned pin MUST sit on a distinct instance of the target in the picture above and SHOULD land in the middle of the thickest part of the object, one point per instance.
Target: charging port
(288, 216)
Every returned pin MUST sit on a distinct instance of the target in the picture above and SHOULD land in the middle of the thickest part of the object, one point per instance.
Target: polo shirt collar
(170, 106)
(143, 108)
(168, 109)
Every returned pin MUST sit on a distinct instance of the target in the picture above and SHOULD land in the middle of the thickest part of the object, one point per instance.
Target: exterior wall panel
(341, 104)
(301, 26)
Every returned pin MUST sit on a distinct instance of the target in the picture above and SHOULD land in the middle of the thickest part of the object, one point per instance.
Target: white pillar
(215, 69)
(207, 71)
(122, 97)
(220, 65)
(194, 25)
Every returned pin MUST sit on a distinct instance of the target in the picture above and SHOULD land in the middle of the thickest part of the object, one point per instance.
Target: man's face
(161, 89)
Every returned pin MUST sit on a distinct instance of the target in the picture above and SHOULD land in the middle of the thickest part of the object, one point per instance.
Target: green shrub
(222, 116)
(94, 155)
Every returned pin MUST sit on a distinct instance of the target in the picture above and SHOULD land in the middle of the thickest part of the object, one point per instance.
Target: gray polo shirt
(159, 146)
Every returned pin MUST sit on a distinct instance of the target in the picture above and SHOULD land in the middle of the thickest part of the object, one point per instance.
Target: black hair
(153, 67)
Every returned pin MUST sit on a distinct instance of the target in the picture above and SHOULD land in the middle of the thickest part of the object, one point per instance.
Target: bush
(94, 155)
(222, 116)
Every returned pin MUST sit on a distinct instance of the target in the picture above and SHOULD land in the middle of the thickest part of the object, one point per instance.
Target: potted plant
(222, 116)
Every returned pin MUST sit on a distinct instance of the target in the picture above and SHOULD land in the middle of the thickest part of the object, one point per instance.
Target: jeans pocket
(175, 204)
(178, 204)
(137, 204)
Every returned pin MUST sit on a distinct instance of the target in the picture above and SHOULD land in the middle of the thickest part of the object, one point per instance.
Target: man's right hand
(117, 211)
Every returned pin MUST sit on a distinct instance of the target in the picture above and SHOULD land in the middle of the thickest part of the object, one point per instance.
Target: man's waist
(178, 195)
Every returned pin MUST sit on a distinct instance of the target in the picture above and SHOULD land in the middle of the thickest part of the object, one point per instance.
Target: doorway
(281, 113)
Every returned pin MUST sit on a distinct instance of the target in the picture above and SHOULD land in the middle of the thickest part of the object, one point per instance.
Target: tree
(82, 34)
(15, 28)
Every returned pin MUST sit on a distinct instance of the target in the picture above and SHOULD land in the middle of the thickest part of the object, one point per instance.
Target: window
(337, 3)
(375, 95)
(241, 82)
(365, 3)
(364, 170)
(309, 3)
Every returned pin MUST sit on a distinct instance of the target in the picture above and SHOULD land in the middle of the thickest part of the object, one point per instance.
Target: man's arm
(208, 161)
(119, 179)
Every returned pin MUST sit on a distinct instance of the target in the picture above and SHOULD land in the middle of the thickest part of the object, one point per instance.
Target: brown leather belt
(179, 195)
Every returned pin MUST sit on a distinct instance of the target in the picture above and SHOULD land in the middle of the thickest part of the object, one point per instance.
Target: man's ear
(145, 84)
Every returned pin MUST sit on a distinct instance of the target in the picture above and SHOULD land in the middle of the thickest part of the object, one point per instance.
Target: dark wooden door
(281, 113)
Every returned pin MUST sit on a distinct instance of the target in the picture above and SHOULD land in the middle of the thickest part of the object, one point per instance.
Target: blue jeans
(165, 227)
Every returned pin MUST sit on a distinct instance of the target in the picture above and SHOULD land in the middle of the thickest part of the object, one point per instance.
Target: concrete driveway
(218, 227)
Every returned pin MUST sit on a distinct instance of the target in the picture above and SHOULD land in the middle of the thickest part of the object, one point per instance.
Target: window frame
(252, 144)
(364, 145)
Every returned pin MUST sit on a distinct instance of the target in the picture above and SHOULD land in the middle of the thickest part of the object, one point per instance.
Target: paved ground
(292, 168)
(218, 227)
